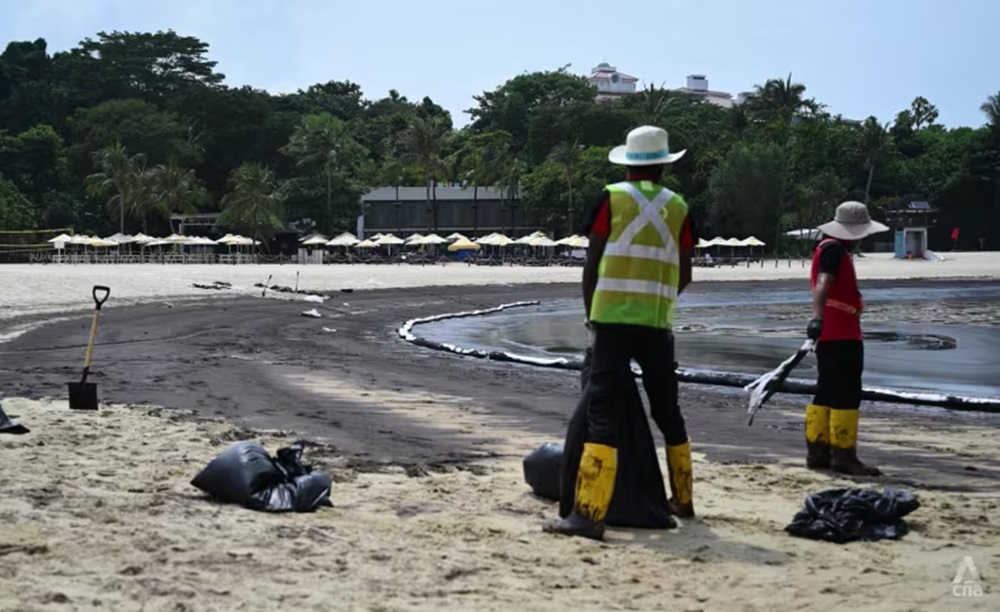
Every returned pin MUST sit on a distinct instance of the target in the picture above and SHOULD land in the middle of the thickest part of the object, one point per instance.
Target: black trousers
(610, 373)
(840, 364)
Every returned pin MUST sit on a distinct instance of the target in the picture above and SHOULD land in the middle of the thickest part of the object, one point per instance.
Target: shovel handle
(99, 300)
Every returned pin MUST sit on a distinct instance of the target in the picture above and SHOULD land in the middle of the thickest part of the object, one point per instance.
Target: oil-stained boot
(843, 445)
(595, 483)
(817, 436)
(681, 480)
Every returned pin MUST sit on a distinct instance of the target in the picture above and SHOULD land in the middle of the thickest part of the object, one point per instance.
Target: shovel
(83, 395)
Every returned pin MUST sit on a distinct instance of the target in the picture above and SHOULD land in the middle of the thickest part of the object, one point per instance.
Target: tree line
(123, 130)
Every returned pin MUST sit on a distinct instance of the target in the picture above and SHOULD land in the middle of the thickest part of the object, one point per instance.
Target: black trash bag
(543, 470)
(640, 499)
(847, 515)
(245, 474)
(11, 426)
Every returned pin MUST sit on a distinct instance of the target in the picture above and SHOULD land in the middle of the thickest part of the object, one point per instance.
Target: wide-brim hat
(852, 222)
(645, 146)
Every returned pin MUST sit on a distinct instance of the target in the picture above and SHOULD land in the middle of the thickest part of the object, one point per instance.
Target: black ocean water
(921, 336)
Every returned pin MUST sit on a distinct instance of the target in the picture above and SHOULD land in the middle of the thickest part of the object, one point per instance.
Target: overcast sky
(860, 57)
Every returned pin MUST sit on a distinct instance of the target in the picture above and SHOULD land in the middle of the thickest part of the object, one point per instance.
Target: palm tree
(175, 190)
(116, 178)
(424, 141)
(567, 157)
(873, 145)
(991, 107)
(780, 102)
(143, 200)
(392, 172)
(324, 143)
(254, 204)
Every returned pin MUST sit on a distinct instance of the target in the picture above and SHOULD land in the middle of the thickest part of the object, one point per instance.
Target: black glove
(814, 329)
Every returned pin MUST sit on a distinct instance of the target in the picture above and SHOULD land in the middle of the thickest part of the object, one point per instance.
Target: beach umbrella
(414, 238)
(495, 240)
(61, 238)
(317, 240)
(346, 239)
(156, 242)
(103, 243)
(579, 242)
(703, 244)
(388, 240)
(567, 241)
(141, 238)
(463, 244)
(175, 239)
(432, 239)
(365, 244)
(527, 239)
(312, 239)
(376, 236)
(81, 239)
(542, 241)
(455, 236)
(751, 242)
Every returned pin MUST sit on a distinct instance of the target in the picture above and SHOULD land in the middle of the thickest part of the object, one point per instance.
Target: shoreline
(34, 288)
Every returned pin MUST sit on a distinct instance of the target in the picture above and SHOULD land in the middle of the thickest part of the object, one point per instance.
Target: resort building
(472, 211)
(697, 85)
(611, 84)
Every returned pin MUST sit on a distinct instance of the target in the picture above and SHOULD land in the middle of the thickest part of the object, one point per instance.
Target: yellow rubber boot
(595, 484)
(681, 479)
(817, 436)
(844, 442)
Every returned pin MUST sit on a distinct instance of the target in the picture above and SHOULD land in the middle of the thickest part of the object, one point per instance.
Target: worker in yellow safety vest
(638, 263)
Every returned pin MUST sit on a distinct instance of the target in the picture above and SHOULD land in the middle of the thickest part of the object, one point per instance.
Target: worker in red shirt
(638, 263)
(832, 417)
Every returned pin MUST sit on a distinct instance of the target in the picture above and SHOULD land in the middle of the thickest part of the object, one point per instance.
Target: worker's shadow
(698, 542)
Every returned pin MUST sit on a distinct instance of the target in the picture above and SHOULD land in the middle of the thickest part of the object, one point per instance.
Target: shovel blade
(82, 396)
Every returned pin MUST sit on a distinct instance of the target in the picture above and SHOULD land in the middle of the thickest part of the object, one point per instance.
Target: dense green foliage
(125, 129)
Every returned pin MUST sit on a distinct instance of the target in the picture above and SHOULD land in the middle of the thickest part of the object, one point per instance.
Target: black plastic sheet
(640, 498)
(848, 515)
(245, 474)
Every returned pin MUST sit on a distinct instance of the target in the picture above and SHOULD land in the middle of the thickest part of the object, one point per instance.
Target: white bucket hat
(644, 146)
(852, 222)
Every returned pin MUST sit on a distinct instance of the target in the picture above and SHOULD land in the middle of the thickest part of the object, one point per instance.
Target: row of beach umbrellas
(536, 239)
(455, 241)
(147, 241)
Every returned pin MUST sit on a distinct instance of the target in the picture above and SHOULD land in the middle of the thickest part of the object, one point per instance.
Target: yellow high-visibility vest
(639, 274)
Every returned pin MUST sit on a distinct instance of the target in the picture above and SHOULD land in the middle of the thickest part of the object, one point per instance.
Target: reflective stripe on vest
(639, 273)
(843, 306)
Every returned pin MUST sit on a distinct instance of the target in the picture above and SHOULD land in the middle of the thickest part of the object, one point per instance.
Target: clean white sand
(53, 288)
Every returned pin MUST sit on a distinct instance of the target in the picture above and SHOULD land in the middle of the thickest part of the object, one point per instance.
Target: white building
(697, 85)
(610, 83)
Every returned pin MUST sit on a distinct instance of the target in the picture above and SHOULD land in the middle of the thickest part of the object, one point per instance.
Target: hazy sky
(860, 57)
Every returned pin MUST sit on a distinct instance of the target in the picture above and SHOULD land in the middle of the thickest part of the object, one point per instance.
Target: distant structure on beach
(910, 220)
(473, 211)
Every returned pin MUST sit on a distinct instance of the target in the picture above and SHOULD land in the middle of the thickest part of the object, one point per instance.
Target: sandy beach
(58, 288)
(430, 508)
